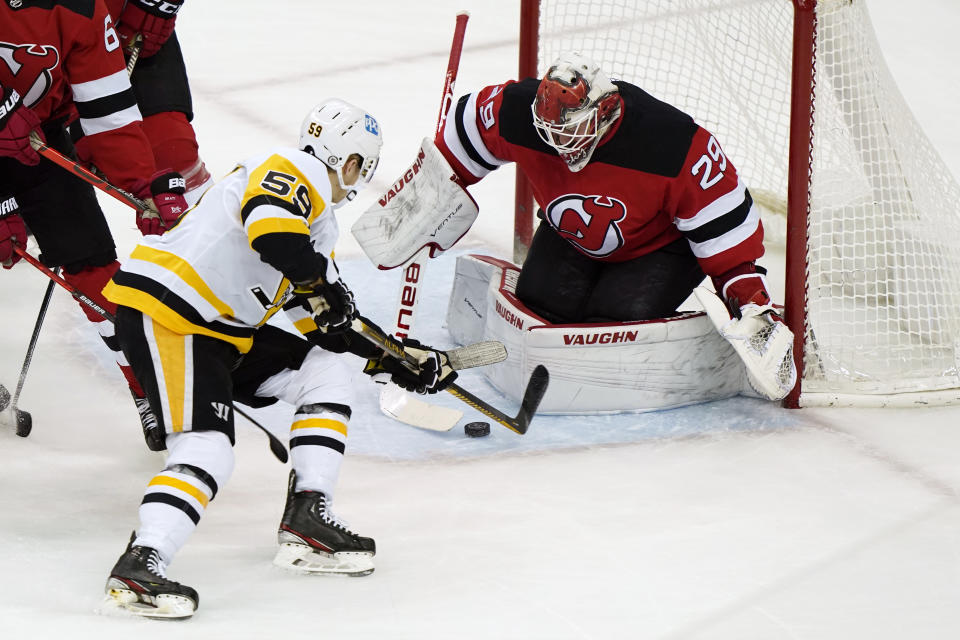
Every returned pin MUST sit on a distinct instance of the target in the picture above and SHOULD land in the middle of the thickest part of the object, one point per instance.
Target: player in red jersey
(160, 85)
(61, 62)
(638, 202)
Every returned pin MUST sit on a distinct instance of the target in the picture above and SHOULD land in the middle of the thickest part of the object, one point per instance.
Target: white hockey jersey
(226, 267)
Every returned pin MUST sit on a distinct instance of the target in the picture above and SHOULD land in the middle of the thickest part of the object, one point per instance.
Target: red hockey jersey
(64, 58)
(656, 176)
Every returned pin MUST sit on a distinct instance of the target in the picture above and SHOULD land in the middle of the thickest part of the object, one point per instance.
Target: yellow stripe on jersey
(186, 487)
(172, 353)
(176, 264)
(320, 423)
(278, 177)
(276, 225)
(162, 314)
(305, 325)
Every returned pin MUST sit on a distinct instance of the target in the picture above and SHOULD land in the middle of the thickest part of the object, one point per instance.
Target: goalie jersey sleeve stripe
(466, 123)
(465, 143)
(719, 225)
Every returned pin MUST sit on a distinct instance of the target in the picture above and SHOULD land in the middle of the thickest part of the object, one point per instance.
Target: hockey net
(873, 231)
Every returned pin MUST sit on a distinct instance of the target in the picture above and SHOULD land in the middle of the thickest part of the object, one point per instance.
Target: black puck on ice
(477, 429)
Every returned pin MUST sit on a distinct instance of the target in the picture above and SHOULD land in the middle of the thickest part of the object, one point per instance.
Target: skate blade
(304, 559)
(167, 605)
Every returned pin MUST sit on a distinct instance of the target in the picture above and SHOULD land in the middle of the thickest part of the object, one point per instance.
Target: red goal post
(798, 93)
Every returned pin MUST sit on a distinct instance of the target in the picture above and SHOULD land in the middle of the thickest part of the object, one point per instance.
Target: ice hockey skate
(152, 432)
(137, 584)
(312, 540)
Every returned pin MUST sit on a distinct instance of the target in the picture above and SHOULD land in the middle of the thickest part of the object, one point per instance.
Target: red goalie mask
(574, 108)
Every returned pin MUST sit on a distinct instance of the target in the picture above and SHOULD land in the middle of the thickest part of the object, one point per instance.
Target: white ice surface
(733, 520)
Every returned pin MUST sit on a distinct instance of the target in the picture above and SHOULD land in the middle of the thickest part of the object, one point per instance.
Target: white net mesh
(883, 289)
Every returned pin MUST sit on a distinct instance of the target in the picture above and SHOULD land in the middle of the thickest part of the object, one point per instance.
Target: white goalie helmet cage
(334, 130)
(575, 106)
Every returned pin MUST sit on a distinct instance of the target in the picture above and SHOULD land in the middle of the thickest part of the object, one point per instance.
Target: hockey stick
(23, 419)
(275, 445)
(135, 47)
(532, 395)
(77, 169)
(394, 401)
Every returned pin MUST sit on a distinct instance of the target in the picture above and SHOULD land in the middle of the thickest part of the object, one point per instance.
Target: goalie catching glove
(753, 327)
(430, 374)
(331, 304)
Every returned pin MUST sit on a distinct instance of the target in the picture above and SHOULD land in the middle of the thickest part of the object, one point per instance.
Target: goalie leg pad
(595, 368)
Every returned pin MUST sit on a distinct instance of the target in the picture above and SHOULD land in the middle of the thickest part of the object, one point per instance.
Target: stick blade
(536, 389)
(406, 408)
(478, 354)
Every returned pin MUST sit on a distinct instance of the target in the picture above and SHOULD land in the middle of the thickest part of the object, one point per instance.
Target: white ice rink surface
(736, 520)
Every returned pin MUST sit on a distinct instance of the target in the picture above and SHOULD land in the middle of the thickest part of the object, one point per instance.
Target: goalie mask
(574, 108)
(333, 131)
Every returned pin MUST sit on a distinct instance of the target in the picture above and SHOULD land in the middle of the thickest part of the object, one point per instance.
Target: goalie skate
(138, 585)
(313, 540)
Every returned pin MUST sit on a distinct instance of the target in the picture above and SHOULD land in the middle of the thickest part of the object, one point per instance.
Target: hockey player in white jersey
(192, 311)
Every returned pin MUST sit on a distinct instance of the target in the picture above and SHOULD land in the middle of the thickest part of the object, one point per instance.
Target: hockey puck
(477, 429)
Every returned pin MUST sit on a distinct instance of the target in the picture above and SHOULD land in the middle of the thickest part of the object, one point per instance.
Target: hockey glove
(12, 230)
(758, 333)
(16, 123)
(433, 372)
(164, 195)
(332, 304)
(152, 19)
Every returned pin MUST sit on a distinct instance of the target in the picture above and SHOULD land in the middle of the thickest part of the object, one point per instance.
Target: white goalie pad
(765, 346)
(594, 368)
(425, 207)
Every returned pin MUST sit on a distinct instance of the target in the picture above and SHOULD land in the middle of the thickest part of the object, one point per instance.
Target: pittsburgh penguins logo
(588, 222)
(28, 68)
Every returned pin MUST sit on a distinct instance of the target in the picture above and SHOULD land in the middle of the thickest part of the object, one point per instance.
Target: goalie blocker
(425, 207)
(595, 368)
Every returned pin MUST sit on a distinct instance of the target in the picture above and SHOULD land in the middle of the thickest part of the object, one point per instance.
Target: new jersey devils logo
(28, 69)
(589, 222)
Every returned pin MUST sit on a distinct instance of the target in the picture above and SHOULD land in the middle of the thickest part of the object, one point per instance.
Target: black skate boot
(152, 433)
(313, 540)
(138, 584)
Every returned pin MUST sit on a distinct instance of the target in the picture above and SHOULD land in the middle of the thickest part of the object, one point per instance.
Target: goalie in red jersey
(60, 63)
(638, 203)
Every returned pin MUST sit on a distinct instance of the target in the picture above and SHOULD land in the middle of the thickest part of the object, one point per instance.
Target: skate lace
(155, 564)
(328, 516)
(147, 419)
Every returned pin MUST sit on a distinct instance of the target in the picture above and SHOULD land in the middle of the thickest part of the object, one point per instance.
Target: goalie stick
(276, 446)
(532, 395)
(395, 402)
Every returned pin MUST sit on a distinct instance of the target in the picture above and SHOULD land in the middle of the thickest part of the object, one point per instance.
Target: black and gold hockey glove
(432, 374)
(332, 304)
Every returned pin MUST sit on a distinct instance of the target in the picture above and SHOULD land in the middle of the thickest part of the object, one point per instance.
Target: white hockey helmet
(575, 106)
(334, 130)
